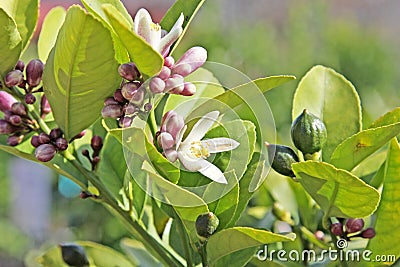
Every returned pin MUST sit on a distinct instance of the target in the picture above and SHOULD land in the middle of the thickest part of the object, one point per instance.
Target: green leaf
(148, 61)
(25, 15)
(96, 8)
(235, 239)
(74, 76)
(338, 192)
(387, 221)
(237, 258)
(189, 10)
(332, 98)
(391, 117)
(50, 28)
(10, 44)
(98, 255)
(139, 253)
(356, 148)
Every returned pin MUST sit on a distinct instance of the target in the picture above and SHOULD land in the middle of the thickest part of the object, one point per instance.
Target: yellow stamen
(198, 150)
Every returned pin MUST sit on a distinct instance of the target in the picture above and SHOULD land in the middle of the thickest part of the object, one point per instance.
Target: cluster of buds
(171, 124)
(16, 123)
(96, 143)
(171, 77)
(47, 145)
(351, 229)
(30, 83)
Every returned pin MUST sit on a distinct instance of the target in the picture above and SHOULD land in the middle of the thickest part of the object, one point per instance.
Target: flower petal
(179, 136)
(202, 126)
(143, 24)
(172, 35)
(221, 144)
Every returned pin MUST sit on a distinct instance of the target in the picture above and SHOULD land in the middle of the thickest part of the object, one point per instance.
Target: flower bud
(14, 140)
(19, 109)
(147, 107)
(34, 72)
(189, 89)
(164, 73)
(157, 85)
(44, 138)
(35, 141)
(96, 143)
(174, 124)
(15, 120)
(169, 62)
(44, 106)
(6, 127)
(112, 111)
(125, 122)
(319, 235)
(129, 89)
(6, 101)
(193, 59)
(85, 152)
(171, 155)
(138, 97)
(13, 78)
(129, 71)
(45, 152)
(79, 135)
(74, 255)
(110, 101)
(165, 140)
(118, 96)
(174, 84)
(206, 225)
(30, 99)
(281, 159)
(129, 109)
(61, 144)
(20, 65)
(368, 233)
(55, 133)
(337, 229)
(354, 225)
(308, 133)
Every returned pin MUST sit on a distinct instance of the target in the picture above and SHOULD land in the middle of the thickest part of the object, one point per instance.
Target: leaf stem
(203, 253)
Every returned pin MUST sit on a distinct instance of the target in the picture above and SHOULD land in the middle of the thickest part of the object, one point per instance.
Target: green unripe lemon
(281, 159)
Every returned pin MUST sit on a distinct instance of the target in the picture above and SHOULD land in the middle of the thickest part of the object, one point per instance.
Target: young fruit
(206, 225)
(308, 133)
(281, 159)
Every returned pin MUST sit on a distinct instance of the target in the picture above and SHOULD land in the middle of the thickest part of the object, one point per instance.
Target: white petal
(202, 126)
(203, 166)
(220, 144)
(172, 35)
(143, 24)
(179, 136)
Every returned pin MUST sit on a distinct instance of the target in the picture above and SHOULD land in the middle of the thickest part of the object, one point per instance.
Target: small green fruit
(74, 255)
(281, 158)
(308, 133)
(206, 225)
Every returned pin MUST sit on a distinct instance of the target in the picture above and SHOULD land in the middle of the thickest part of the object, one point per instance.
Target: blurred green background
(359, 39)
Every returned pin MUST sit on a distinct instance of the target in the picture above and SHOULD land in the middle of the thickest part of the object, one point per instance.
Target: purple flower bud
(13, 78)
(30, 99)
(19, 109)
(55, 133)
(189, 89)
(118, 96)
(34, 72)
(129, 89)
(6, 128)
(79, 135)
(35, 141)
(15, 120)
(61, 144)
(173, 124)
(45, 152)
(157, 85)
(95, 160)
(44, 106)
(138, 97)
(169, 62)
(125, 122)
(129, 109)
(8, 114)
(166, 117)
(171, 155)
(129, 71)
(6, 101)
(319, 235)
(194, 58)
(148, 106)
(96, 142)
(368, 233)
(165, 73)
(165, 140)
(174, 84)
(20, 65)
(85, 152)
(337, 229)
(110, 101)
(14, 140)
(354, 225)
(44, 138)
(112, 111)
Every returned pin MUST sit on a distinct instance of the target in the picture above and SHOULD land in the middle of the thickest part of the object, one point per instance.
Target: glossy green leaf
(139, 253)
(25, 15)
(98, 255)
(237, 259)
(10, 44)
(338, 192)
(359, 146)
(235, 239)
(48, 34)
(75, 73)
(189, 10)
(148, 61)
(95, 7)
(332, 98)
(387, 221)
(391, 117)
